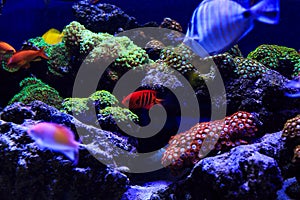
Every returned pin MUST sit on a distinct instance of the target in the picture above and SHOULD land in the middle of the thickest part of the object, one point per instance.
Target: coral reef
(103, 17)
(160, 75)
(104, 105)
(283, 59)
(245, 172)
(35, 89)
(119, 53)
(29, 172)
(187, 148)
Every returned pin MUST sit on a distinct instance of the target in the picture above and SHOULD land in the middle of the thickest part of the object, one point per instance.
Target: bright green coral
(75, 105)
(117, 114)
(35, 89)
(280, 58)
(105, 104)
(103, 99)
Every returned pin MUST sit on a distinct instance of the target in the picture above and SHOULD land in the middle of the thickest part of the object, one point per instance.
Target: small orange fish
(21, 59)
(6, 48)
(141, 99)
(6, 51)
(55, 137)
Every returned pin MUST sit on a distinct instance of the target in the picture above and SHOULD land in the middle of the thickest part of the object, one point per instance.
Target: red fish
(141, 99)
(55, 137)
(21, 59)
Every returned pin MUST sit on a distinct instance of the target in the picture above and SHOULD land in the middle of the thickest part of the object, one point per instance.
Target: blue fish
(294, 84)
(216, 25)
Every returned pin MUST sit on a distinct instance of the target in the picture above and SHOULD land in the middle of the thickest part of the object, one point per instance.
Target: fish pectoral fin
(40, 144)
(72, 155)
(26, 66)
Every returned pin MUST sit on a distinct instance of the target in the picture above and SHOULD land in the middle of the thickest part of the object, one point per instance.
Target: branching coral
(35, 89)
(187, 148)
(283, 59)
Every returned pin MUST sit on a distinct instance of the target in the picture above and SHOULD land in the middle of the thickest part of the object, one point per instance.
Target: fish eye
(247, 14)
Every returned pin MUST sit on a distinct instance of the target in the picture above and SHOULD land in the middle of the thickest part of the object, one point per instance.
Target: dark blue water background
(24, 19)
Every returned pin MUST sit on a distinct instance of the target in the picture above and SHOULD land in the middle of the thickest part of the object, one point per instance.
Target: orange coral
(187, 148)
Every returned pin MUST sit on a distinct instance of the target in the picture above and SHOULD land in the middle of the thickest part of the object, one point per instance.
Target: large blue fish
(216, 25)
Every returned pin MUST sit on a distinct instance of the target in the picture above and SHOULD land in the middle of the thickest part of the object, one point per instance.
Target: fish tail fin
(43, 54)
(266, 11)
(159, 101)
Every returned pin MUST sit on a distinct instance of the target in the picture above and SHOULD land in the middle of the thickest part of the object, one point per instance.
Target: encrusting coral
(35, 89)
(283, 59)
(187, 148)
(105, 106)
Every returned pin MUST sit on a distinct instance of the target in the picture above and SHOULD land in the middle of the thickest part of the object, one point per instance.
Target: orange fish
(21, 59)
(6, 51)
(55, 137)
(141, 99)
(94, 1)
(6, 48)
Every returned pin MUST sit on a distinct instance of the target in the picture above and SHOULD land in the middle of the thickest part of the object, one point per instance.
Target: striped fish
(216, 25)
(141, 99)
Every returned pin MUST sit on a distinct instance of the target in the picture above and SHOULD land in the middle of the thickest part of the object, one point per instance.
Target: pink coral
(187, 148)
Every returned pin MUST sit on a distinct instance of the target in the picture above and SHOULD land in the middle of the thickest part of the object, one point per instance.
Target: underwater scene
(149, 100)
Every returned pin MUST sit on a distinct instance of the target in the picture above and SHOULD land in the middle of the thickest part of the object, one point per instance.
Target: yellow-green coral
(103, 98)
(35, 89)
(276, 57)
(75, 105)
(117, 114)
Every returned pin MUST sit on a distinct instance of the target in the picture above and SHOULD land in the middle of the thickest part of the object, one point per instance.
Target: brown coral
(187, 148)
(171, 24)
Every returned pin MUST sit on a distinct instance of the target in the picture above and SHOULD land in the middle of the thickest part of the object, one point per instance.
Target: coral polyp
(187, 148)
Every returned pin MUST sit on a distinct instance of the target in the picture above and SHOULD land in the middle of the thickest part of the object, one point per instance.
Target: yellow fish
(53, 36)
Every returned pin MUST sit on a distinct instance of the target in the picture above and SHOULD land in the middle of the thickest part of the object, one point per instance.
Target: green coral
(104, 99)
(178, 58)
(35, 89)
(117, 114)
(59, 57)
(75, 105)
(280, 58)
(248, 68)
(105, 104)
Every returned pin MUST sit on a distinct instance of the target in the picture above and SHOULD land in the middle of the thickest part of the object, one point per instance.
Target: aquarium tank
(150, 100)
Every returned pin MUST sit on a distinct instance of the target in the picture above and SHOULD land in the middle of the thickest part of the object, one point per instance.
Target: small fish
(293, 84)
(21, 59)
(6, 51)
(141, 99)
(55, 137)
(53, 36)
(216, 25)
(5, 48)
